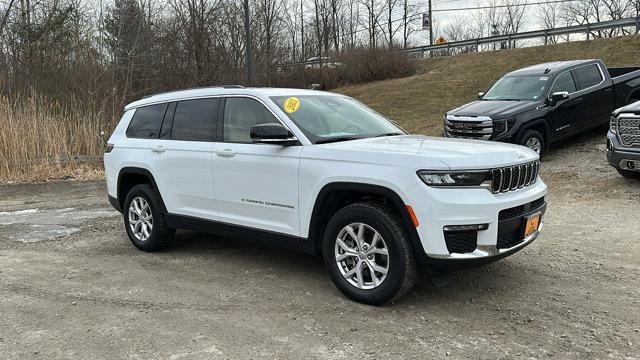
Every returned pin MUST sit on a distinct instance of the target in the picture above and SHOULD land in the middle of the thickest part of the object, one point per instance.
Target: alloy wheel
(362, 256)
(140, 218)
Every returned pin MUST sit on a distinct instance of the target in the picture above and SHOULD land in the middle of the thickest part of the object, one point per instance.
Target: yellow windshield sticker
(291, 105)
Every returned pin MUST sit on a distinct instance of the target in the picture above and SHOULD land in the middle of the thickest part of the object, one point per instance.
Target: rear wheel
(534, 140)
(144, 219)
(368, 255)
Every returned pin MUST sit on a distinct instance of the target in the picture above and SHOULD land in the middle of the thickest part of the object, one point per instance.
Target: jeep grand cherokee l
(324, 174)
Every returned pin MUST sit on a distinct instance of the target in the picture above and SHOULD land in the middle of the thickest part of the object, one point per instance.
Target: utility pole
(247, 41)
(304, 64)
(430, 23)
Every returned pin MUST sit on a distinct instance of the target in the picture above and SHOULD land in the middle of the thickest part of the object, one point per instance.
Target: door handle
(578, 100)
(158, 149)
(226, 153)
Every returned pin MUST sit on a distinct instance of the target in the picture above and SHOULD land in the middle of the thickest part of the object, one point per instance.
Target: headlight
(613, 125)
(456, 178)
(502, 126)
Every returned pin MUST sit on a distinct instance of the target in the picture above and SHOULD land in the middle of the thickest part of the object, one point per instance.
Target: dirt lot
(72, 286)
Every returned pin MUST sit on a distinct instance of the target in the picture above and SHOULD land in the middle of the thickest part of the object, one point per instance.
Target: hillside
(418, 102)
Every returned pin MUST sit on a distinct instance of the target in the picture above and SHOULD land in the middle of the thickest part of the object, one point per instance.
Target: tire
(400, 261)
(530, 137)
(161, 234)
(629, 174)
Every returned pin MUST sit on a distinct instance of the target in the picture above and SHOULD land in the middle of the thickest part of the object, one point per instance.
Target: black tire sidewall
(528, 134)
(148, 194)
(397, 263)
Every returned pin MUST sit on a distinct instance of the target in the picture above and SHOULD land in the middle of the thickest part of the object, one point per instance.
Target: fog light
(631, 165)
(476, 227)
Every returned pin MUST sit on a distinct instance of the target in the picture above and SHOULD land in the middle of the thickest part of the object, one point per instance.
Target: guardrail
(586, 28)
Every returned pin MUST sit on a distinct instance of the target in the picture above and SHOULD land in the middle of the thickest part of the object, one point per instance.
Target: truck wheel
(629, 174)
(368, 255)
(533, 140)
(144, 219)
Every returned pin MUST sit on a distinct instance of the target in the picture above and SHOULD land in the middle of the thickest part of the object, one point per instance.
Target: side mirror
(274, 134)
(480, 95)
(557, 97)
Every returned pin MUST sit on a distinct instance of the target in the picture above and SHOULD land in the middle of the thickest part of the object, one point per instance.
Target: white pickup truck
(324, 174)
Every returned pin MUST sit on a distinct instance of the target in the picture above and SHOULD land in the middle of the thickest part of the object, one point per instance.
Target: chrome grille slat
(514, 177)
(629, 130)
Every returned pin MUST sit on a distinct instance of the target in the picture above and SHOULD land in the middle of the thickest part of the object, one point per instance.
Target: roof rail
(233, 87)
(195, 88)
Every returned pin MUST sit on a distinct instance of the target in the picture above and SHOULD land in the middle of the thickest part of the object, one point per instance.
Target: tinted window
(194, 119)
(146, 122)
(588, 76)
(564, 82)
(240, 114)
(167, 123)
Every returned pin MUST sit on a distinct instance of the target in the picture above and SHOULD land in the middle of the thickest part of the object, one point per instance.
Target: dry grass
(40, 140)
(419, 102)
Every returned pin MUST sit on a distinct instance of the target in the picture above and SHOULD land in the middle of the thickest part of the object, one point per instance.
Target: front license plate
(533, 222)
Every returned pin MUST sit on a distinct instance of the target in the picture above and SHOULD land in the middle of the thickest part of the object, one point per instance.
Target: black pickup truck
(544, 103)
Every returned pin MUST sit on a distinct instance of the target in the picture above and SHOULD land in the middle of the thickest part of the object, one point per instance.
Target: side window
(588, 76)
(194, 119)
(564, 82)
(240, 114)
(145, 123)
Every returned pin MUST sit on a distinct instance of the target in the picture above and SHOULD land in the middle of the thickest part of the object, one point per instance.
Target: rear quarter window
(146, 121)
(588, 76)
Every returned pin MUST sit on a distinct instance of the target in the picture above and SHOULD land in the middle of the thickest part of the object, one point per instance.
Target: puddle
(36, 233)
(35, 225)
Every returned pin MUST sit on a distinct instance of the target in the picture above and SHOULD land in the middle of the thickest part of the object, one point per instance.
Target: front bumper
(447, 207)
(618, 156)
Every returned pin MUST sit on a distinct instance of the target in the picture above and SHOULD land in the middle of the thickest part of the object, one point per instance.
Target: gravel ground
(72, 286)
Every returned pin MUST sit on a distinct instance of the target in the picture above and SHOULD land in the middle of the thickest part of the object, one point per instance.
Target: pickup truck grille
(468, 128)
(629, 130)
(515, 177)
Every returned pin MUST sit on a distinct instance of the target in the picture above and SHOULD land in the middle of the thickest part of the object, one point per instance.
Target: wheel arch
(539, 125)
(336, 195)
(128, 177)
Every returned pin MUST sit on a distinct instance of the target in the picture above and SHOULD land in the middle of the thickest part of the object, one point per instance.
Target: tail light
(108, 148)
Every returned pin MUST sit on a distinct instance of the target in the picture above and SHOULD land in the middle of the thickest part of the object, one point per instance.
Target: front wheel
(368, 255)
(533, 140)
(629, 174)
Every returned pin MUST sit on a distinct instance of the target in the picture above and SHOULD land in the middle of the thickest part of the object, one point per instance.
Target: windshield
(327, 118)
(527, 88)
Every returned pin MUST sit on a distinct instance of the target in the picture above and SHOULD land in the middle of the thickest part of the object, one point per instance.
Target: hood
(631, 108)
(423, 151)
(493, 108)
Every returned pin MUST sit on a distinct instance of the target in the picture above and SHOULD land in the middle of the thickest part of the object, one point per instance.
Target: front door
(255, 185)
(565, 115)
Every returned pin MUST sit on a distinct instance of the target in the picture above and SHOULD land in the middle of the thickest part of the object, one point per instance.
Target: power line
(502, 6)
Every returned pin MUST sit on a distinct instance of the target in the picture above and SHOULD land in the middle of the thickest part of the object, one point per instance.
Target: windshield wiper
(390, 134)
(337, 139)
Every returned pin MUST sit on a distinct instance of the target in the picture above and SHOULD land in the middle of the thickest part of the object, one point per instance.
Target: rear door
(180, 158)
(255, 185)
(565, 115)
(596, 94)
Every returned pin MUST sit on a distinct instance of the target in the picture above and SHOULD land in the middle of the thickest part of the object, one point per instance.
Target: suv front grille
(461, 242)
(629, 130)
(469, 129)
(520, 209)
(514, 177)
(510, 239)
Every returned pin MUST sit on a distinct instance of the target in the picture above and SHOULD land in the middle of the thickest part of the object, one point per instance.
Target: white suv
(322, 173)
